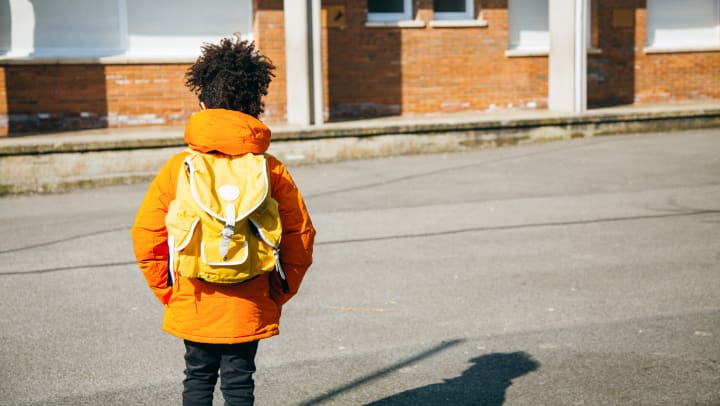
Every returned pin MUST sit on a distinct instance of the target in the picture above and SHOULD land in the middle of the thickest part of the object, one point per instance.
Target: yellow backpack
(223, 226)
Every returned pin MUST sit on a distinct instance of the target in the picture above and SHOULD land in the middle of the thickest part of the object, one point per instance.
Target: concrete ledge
(60, 162)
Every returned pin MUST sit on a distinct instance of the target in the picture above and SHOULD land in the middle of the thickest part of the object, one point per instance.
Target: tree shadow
(364, 380)
(484, 383)
(611, 74)
(364, 68)
(52, 98)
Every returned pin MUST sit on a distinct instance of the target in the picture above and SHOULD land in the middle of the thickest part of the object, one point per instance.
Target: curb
(62, 162)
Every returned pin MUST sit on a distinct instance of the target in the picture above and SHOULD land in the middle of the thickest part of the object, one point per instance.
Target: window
(389, 10)
(79, 29)
(453, 9)
(177, 28)
(528, 25)
(64, 26)
(683, 25)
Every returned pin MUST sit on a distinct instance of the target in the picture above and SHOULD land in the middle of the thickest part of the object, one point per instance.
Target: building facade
(79, 64)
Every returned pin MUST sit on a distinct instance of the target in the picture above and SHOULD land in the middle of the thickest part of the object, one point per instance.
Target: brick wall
(375, 71)
(59, 97)
(64, 97)
(369, 72)
(611, 72)
(624, 74)
(270, 40)
(147, 95)
(46, 97)
(670, 77)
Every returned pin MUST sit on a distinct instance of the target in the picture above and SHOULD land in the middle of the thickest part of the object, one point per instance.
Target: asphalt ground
(582, 272)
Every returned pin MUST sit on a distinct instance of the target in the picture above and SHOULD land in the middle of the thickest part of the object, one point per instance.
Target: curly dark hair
(231, 75)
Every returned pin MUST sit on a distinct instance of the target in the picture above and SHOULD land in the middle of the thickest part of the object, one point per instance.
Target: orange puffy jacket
(221, 314)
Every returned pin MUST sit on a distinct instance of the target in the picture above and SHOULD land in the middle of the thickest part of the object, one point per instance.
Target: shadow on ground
(484, 383)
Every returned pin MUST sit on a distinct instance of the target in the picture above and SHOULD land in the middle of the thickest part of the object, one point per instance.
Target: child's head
(231, 75)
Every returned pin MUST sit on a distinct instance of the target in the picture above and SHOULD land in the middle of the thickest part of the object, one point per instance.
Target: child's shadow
(484, 383)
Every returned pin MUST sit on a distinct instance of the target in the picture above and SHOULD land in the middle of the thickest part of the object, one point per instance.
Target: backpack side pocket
(183, 237)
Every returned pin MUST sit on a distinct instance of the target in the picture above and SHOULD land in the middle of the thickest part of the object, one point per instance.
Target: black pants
(236, 364)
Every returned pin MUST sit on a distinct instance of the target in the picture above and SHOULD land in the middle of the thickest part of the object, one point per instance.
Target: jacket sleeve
(148, 233)
(298, 235)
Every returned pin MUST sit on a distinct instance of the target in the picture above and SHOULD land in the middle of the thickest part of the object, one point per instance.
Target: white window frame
(468, 14)
(406, 15)
(665, 32)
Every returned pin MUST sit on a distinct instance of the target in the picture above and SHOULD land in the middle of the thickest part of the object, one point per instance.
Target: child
(222, 323)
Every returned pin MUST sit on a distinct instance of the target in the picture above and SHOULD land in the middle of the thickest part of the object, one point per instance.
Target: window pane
(179, 26)
(449, 6)
(91, 25)
(386, 6)
(529, 24)
(673, 23)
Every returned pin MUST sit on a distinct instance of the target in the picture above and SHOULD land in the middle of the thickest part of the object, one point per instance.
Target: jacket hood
(226, 131)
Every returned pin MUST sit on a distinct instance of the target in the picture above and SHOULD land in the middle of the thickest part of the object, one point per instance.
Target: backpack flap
(216, 182)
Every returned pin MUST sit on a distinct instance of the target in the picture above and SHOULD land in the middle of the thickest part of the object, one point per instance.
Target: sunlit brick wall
(375, 71)
(671, 77)
(147, 95)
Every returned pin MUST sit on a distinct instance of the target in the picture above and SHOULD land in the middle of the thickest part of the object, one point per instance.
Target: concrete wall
(53, 163)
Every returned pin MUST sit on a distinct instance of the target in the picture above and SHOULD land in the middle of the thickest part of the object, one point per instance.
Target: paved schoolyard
(579, 272)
